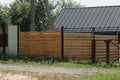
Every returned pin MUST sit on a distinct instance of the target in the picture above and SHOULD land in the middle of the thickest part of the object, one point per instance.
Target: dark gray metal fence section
(3, 38)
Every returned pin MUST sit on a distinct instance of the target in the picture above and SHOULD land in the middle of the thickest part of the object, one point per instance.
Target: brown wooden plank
(78, 34)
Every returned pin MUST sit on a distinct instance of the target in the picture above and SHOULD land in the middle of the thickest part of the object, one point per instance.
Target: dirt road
(54, 70)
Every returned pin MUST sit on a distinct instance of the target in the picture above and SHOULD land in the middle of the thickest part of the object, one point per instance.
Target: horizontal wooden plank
(104, 52)
(78, 34)
(113, 55)
(77, 42)
(78, 39)
(77, 45)
(103, 55)
(105, 38)
(100, 54)
(75, 36)
(78, 57)
(108, 36)
(111, 46)
(77, 52)
(40, 32)
(78, 48)
(104, 47)
(40, 39)
(100, 48)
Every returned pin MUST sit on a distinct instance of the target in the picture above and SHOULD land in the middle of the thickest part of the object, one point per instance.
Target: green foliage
(20, 12)
(41, 20)
(55, 62)
(4, 59)
(110, 76)
(58, 5)
(4, 15)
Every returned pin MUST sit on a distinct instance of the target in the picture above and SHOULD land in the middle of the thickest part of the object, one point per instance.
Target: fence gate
(3, 39)
(101, 47)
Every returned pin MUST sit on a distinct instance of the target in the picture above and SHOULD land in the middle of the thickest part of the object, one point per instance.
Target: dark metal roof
(105, 18)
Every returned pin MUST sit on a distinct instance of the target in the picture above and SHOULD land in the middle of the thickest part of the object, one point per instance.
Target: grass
(44, 61)
(27, 60)
(37, 76)
(110, 76)
(4, 59)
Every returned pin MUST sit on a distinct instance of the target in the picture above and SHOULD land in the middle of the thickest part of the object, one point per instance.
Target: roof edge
(93, 7)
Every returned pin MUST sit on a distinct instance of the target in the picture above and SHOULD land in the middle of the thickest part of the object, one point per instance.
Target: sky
(83, 2)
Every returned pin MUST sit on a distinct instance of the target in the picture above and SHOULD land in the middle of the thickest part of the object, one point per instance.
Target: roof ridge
(94, 7)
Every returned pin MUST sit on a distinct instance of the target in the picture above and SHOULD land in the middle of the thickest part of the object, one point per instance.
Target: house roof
(105, 18)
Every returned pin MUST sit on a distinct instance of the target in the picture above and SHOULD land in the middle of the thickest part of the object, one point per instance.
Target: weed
(110, 76)
(4, 59)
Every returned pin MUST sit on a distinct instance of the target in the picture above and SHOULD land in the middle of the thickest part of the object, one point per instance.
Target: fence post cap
(108, 40)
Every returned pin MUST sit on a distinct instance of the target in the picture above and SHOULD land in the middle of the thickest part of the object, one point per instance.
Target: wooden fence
(79, 45)
(76, 45)
(101, 47)
(43, 44)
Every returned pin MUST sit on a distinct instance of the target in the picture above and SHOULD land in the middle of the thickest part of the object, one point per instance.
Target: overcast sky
(99, 2)
(83, 2)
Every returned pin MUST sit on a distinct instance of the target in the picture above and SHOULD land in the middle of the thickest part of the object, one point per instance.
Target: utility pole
(49, 15)
(32, 15)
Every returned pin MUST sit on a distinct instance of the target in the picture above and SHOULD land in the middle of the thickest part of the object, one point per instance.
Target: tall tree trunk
(32, 15)
(49, 15)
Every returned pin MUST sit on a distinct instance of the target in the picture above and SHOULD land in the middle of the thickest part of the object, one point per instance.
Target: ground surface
(76, 72)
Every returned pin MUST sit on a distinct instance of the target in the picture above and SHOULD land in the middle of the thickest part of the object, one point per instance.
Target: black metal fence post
(118, 46)
(93, 47)
(4, 39)
(62, 42)
(107, 51)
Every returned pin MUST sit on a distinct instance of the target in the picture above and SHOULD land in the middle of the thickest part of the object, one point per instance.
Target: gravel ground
(10, 76)
(54, 70)
(76, 72)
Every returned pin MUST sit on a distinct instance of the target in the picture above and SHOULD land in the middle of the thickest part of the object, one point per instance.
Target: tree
(32, 15)
(20, 12)
(4, 15)
(47, 7)
(41, 20)
(57, 6)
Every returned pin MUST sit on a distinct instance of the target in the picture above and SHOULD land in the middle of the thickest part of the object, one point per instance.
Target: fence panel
(78, 45)
(101, 47)
(3, 39)
(43, 44)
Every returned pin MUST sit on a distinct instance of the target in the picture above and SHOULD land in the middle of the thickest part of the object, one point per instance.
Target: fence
(42, 44)
(101, 47)
(75, 45)
(8, 40)
(78, 45)
(70, 45)
(3, 38)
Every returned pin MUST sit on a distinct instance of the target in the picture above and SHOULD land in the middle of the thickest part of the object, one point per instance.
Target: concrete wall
(12, 41)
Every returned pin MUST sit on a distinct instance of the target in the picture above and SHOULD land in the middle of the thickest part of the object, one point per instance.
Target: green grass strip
(110, 76)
